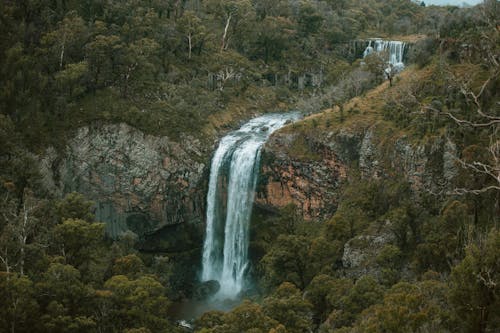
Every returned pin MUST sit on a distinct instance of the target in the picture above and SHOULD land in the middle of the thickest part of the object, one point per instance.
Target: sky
(451, 2)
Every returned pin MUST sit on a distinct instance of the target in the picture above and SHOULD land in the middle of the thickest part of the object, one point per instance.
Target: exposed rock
(139, 182)
(368, 163)
(360, 254)
(428, 166)
(311, 180)
(206, 289)
(306, 166)
(309, 174)
(311, 184)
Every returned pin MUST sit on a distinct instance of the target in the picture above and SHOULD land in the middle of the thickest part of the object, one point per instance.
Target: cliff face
(139, 182)
(312, 181)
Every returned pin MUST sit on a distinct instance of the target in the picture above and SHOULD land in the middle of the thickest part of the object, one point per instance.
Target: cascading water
(395, 49)
(233, 177)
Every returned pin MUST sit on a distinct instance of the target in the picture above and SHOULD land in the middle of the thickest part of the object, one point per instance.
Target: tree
(365, 292)
(444, 239)
(137, 65)
(233, 13)
(272, 38)
(138, 303)
(288, 260)
(65, 44)
(103, 53)
(288, 307)
(19, 307)
(347, 222)
(409, 307)
(18, 227)
(377, 65)
(474, 283)
(277, 8)
(476, 86)
(190, 26)
(324, 292)
(70, 80)
(247, 317)
(309, 20)
(78, 241)
(62, 295)
(75, 206)
(130, 266)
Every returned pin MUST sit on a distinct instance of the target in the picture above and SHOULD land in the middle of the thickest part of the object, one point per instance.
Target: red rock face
(310, 184)
(307, 169)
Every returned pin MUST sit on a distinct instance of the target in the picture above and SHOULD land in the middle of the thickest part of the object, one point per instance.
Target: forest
(198, 68)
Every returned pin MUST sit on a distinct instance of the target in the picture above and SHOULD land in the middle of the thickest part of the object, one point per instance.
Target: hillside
(376, 211)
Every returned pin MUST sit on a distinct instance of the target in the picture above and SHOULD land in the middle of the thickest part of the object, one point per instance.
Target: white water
(233, 177)
(395, 49)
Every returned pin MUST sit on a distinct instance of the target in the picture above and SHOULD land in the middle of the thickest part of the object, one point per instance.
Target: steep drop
(233, 177)
(395, 50)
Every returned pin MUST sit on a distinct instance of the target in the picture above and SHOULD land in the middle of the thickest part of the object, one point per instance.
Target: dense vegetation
(68, 63)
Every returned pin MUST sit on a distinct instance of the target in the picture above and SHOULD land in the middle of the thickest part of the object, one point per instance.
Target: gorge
(253, 166)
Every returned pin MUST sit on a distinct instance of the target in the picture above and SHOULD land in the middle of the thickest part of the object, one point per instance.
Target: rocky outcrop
(427, 165)
(139, 182)
(312, 180)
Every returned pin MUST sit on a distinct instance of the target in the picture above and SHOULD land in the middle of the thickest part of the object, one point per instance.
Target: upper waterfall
(233, 177)
(395, 50)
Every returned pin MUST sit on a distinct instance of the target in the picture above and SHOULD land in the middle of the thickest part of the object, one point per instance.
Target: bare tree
(17, 226)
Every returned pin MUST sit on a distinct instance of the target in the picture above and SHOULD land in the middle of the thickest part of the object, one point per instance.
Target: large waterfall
(395, 50)
(233, 177)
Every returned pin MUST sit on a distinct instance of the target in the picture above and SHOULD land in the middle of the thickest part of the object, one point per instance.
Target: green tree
(79, 242)
(309, 20)
(324, 292)
(473, 285)
(347, 222)
(233, 14)
(444, 239)
(288, 307)
(288, 260)
(103, 53)
(65, 44)
(365, 292)
(130, 266)
(138, 303)
(70, 80)
(272, 38)
(19, 307)
(137, 66)
(247, 317)
(190, 25)
(376, 62)
(63, 297)
(75, 206)
(409, 308)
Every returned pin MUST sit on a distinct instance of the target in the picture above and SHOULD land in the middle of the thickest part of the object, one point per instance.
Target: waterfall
(233, 177)
(395, 49)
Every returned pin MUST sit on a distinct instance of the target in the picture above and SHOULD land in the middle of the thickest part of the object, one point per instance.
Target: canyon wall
(138, 182)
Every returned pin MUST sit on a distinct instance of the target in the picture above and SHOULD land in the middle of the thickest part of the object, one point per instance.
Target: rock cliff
(139, 182)
(307, 165)
(310, 179)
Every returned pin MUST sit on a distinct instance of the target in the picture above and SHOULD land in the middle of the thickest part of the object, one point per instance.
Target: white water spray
(395, 49)
(233, 177)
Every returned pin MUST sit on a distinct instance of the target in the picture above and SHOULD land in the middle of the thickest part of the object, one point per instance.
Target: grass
(359, 114)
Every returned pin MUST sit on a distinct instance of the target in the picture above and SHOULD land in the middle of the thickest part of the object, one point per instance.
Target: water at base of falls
(233, 177)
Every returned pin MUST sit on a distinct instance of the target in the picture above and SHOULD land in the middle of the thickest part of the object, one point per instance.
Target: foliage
(65, 64)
